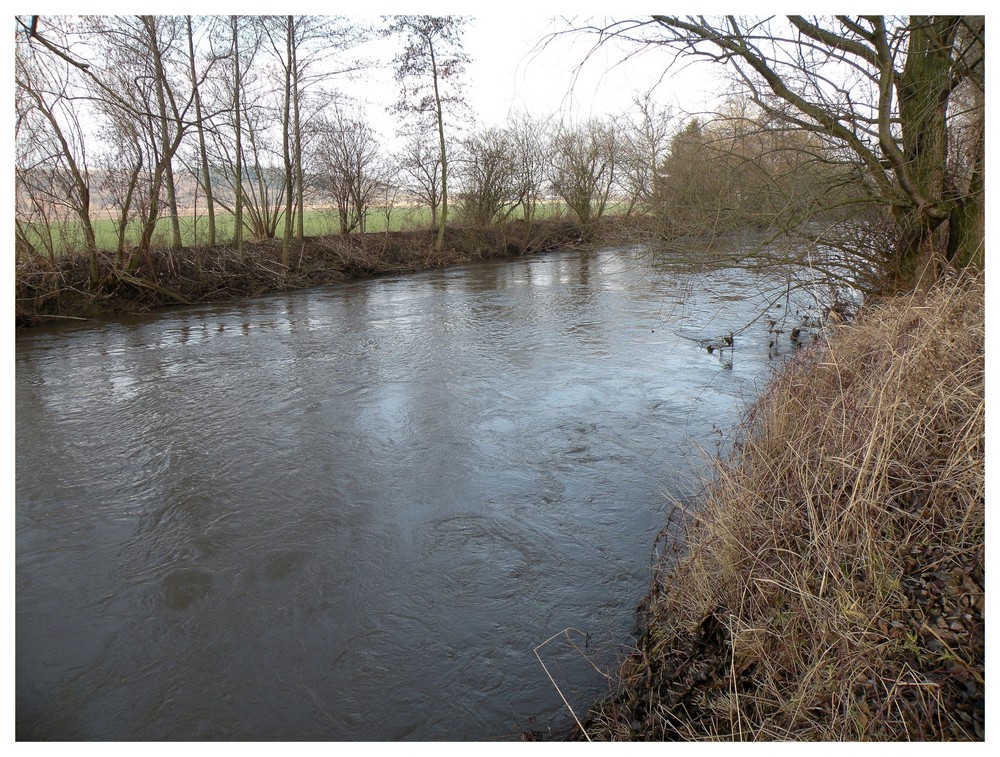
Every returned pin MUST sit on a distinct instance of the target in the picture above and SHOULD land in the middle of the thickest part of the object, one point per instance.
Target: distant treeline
(862, 138)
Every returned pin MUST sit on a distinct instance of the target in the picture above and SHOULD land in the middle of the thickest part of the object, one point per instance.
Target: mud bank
(143, 281)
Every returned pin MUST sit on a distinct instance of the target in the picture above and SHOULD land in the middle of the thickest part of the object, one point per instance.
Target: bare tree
(51, 147)
(431, 61)
(420, 170)
(645, 139)
(205, 172)
(237, 86)
(140, 72)
(283, 42)
(245, 142)
(389, 193)
(320, 45)
(583, 167)
(282, 39)
(877, 91)
(277, 103)
(530, 142)
(122, 178)
(162, 36)
(352, 168)
(488, 172)
(185, 89)
(43, 224)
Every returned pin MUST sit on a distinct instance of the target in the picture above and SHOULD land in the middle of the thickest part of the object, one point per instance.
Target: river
(351, 513)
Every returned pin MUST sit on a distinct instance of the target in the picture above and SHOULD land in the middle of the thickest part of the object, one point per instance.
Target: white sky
(510, 69)
(567, 75)
(516, 65)
(513, 67)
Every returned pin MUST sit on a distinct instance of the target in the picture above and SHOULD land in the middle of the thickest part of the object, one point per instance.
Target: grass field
(194, 228)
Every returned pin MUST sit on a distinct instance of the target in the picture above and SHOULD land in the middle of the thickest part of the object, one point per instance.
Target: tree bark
(206, 171)
(166, 152)
(439, 242)
(238, 220)
(286, 237)
(126, 206)
(297, 147)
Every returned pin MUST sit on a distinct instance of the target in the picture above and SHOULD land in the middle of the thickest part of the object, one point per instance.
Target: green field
(194, 229)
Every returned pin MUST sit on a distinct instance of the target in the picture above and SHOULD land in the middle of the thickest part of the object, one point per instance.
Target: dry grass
(830, 585)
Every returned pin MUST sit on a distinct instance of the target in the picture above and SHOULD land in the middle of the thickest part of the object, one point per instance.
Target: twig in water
(565, 632)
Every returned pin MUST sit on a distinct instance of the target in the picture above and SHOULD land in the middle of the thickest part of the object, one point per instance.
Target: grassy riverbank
(829, 585)
(48, 289)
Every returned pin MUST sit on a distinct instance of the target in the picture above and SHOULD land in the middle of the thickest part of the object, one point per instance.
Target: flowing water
(352, 513)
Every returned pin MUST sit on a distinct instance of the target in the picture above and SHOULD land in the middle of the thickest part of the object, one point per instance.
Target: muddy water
(353, 512)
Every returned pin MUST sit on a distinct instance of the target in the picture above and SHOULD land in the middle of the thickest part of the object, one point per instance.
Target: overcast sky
(520, 60)
(511, 66)
(517, 67)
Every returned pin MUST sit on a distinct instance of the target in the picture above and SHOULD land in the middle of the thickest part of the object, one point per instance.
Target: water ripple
(351, 513)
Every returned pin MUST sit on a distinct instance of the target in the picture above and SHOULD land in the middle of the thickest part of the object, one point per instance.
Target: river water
(352, 513)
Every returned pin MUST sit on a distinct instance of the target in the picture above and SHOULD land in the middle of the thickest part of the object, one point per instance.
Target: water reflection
(352, 513)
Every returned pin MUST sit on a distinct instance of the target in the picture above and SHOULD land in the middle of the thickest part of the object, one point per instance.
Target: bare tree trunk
(149, 226)
(206, 172)
(238, 221)
(297, 145)
(175, 222)
(922, 115)
(80, 183)
(439, 242)
(126, 206)
(285, 147)
(967, 225)
(167, 153)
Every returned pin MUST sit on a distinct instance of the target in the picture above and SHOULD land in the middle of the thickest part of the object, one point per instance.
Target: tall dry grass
(830, 583)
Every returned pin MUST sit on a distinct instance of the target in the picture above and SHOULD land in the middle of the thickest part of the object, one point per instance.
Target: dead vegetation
(829, 585)
(65, 287)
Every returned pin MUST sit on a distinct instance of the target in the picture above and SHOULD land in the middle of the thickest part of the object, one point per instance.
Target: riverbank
(61, 289)
(830, 584)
